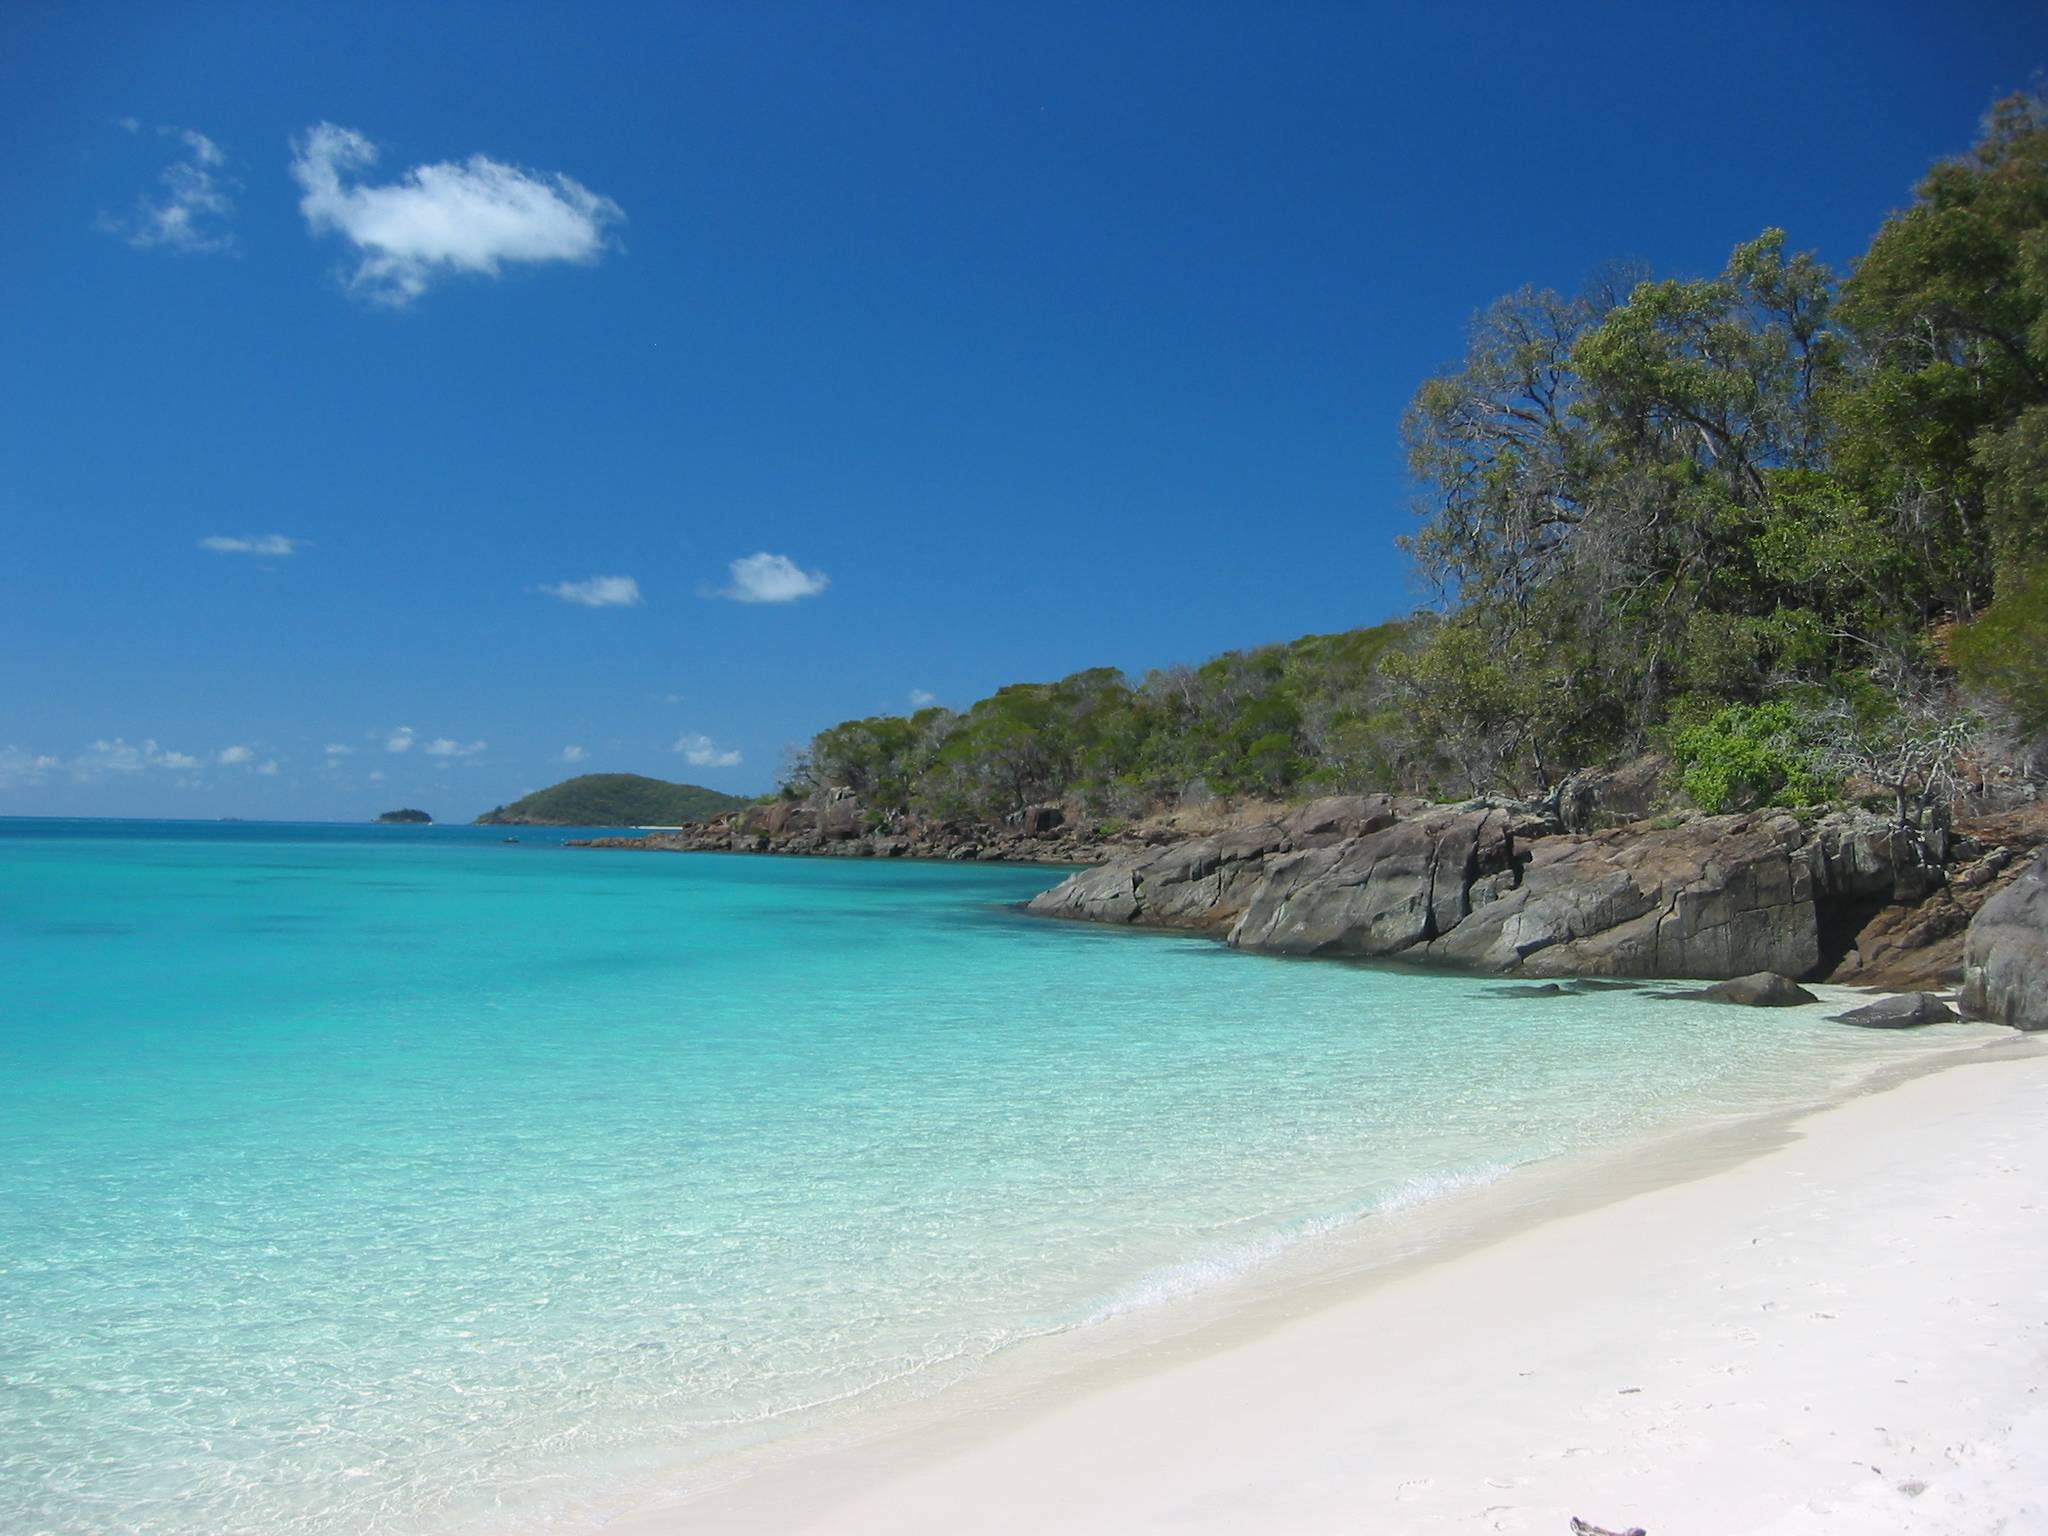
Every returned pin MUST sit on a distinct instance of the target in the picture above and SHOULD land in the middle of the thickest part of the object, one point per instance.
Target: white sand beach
(1845, 1333)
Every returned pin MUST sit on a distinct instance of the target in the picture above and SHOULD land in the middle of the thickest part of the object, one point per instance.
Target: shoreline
(1097, 1428)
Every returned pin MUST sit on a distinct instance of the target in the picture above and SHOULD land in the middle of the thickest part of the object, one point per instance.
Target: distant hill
(407, 815)
(613, 800)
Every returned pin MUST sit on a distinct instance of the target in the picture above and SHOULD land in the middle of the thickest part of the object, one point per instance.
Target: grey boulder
(1765, 989)
(2005, 953)
(1905, 1011)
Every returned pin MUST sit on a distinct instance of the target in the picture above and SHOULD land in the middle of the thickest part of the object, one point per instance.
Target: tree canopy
(1752, 518)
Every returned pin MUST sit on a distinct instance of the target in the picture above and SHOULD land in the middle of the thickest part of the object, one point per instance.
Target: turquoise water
(399, 1180)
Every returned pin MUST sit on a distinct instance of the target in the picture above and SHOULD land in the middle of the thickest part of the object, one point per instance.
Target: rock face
(1905, 1011)
(2005, 954)
(1502, 886)
(1494, 885)
(1606, 797)
(1765, 989)
(1381, 894)
(1722, 896)
(1198, 884)
(1717, 897)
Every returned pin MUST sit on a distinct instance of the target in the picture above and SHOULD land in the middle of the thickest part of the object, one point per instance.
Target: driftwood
(1585, 1528)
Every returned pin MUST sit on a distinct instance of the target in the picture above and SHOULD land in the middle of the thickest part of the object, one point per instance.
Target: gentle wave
(1191, 1277)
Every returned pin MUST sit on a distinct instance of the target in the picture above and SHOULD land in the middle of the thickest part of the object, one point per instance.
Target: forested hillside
(1788, 525)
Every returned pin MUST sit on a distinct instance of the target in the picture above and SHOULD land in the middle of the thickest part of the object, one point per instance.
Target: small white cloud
(703, 752)
(376, 775)
(189, 210)
(672, 698)
(21, 768)
(442, 746)
(399, 740)
(103, 757)
(268, 767)
(598, 592)
(336, 749)
(443, 217)
(234, 754)
(766, 578)
(920, 699)
(573, 754)
(255, 544)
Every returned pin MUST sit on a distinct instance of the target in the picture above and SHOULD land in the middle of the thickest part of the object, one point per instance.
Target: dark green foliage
(406, 816)
(614, 800)
(1273, 721)
(1946, 425)
(2004, 655)
(1742, 494)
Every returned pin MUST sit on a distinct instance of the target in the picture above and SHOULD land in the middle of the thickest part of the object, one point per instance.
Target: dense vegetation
(1790, 527)
(1270, 721)
(613, 800)
(406, 816)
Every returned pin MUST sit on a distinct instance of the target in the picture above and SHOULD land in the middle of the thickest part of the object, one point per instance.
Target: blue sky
(397, 403)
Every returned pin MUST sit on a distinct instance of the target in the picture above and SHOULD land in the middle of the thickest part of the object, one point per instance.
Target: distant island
(406, 816)
(613, 800)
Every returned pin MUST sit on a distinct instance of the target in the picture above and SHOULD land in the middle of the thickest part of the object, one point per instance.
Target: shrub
(1748, 755)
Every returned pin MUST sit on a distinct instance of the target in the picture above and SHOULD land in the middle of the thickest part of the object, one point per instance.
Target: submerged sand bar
(1846, 1332)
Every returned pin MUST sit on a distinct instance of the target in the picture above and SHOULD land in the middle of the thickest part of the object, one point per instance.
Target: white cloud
(399, 740)
(573, 754)
(268, 767)
(19, 767)
(598, 592)
(376, 775)
(103, 757)
(255, 544)
(441, 218)
(703, 752)
(766, 578)
(441, 746)
(189, 209)
(336, 749)
(920, 699)
(234, 754)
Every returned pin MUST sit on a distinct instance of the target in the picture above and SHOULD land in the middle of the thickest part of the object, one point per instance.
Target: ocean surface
(399, 1180)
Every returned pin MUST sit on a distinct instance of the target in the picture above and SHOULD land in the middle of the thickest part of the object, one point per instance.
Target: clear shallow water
(396, 1180)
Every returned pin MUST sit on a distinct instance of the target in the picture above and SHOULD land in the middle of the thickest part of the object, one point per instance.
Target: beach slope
(1846, 1333)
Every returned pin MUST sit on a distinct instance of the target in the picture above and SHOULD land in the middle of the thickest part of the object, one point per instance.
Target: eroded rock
(2005, 953)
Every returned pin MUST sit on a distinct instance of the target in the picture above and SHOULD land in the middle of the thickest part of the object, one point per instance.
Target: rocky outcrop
(1199, 884)
(2005, 955)
(1381, 894)
(833, 822)
(1495, 886)
(1502, 886)
(1909, 936)
(1612, 796)
(1721, 896)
